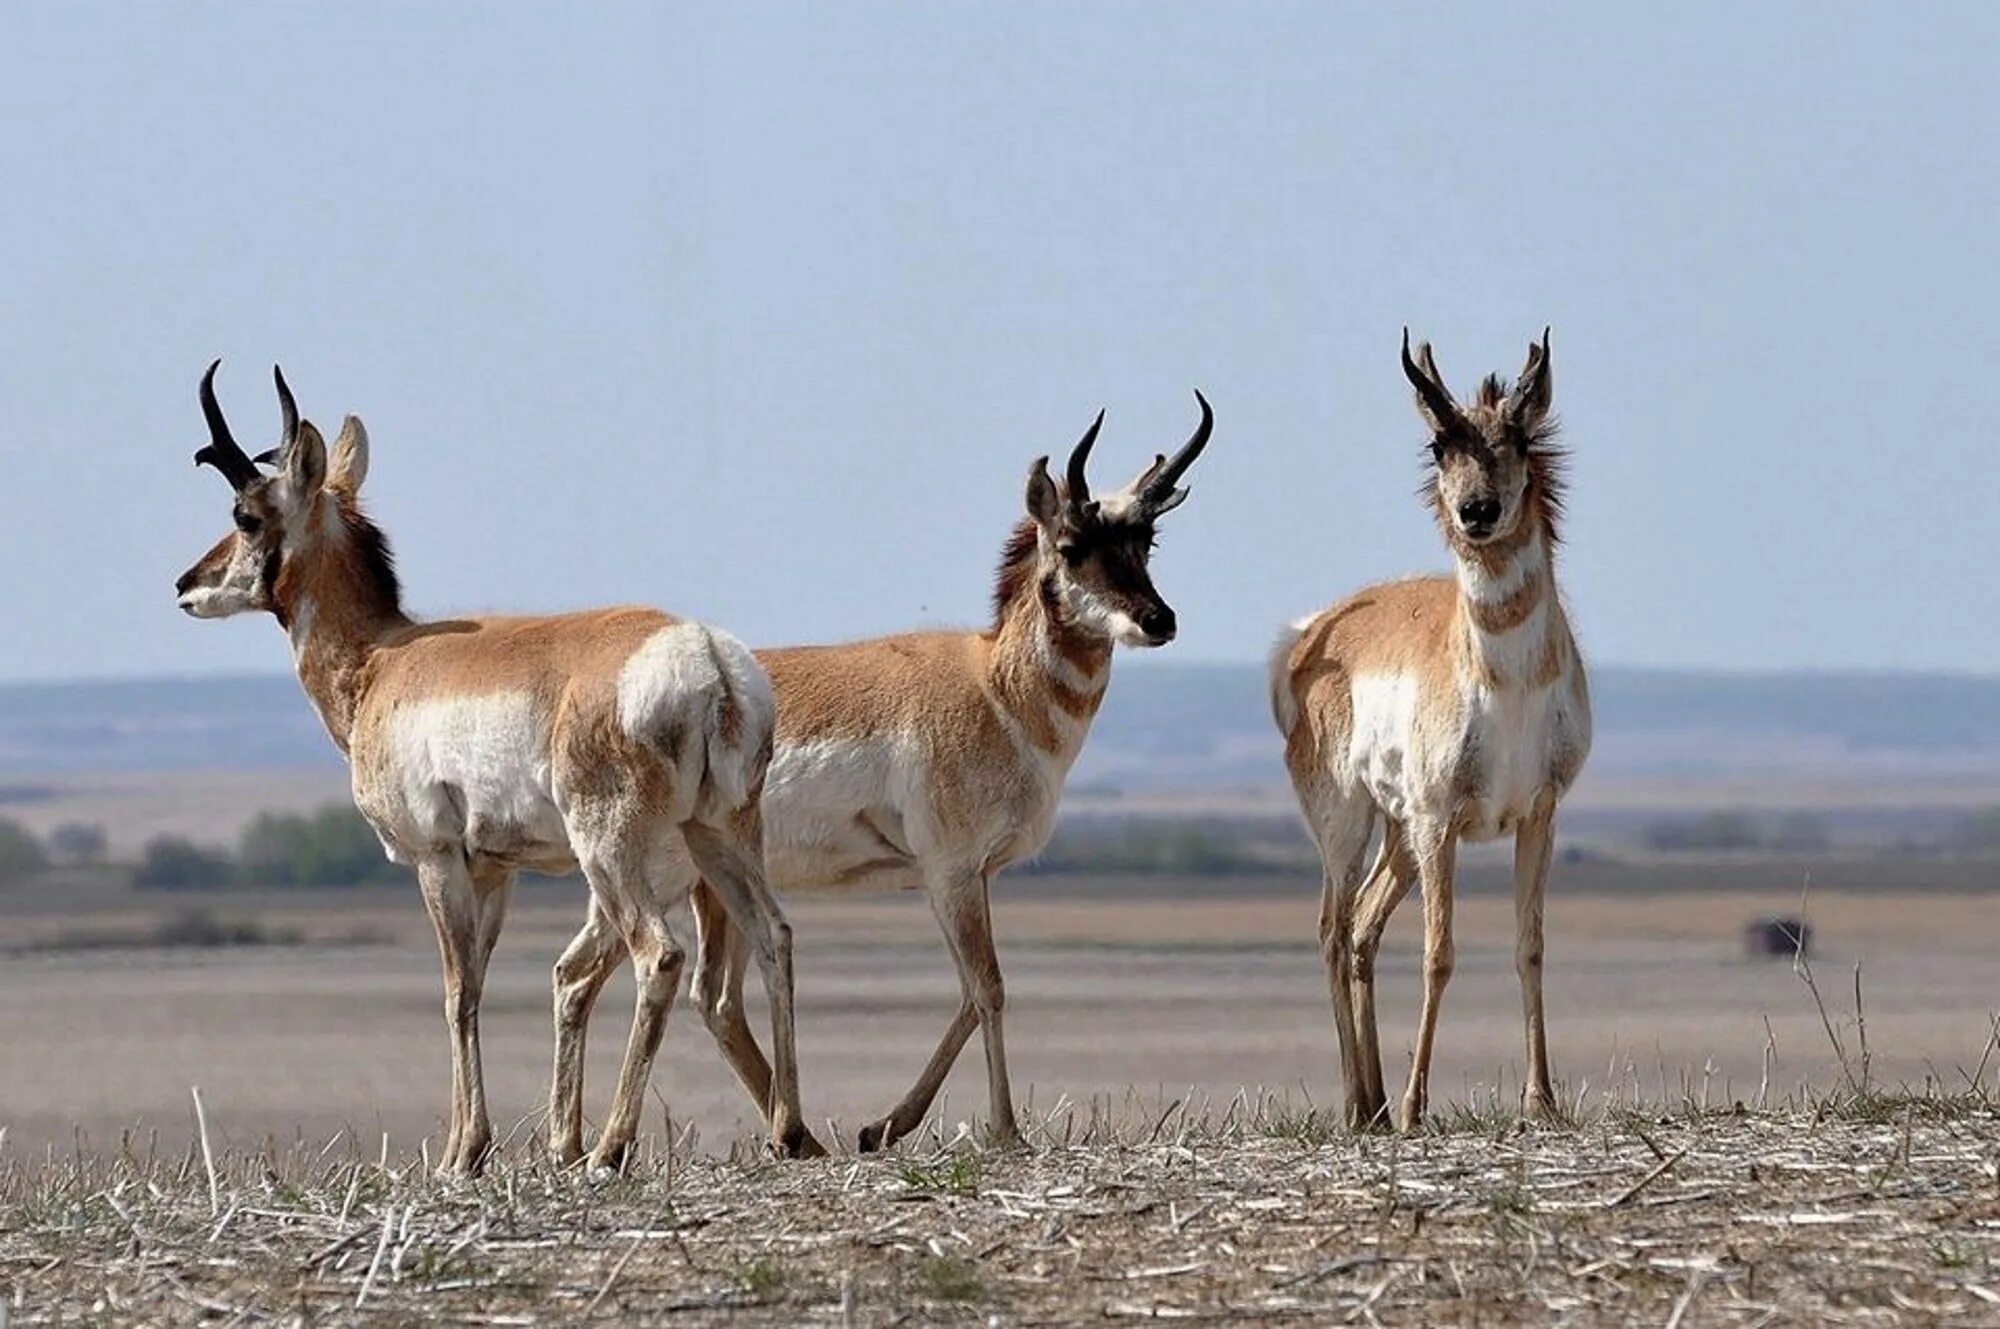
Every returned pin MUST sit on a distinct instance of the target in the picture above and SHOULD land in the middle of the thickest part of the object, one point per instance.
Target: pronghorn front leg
(1388, 883)
(1434, 845)
(959, 900)
(1532, 844)
(452, 900)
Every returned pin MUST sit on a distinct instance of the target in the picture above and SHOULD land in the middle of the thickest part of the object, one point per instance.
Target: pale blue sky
(760, 313)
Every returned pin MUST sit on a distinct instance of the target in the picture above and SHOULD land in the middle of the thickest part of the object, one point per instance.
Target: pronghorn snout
(1158, 624)
(1478, 516)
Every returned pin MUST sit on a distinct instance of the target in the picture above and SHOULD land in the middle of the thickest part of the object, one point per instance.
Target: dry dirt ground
(1170, 1054)
(1857, 1209)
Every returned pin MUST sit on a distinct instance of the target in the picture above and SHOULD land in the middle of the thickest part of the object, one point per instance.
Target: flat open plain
(1649, 995)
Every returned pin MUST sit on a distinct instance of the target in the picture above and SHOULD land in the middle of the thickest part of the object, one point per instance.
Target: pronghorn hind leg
(1388, 882)
(1343, 840)
(618, 874)
(580, 975)
(1532, 845)
(909, 1111)
(721, 958)
(731, 861)
(1434, 845)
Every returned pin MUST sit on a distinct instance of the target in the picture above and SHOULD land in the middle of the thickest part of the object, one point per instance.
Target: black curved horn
(222, 452)
(1161, 479)
(291, 410)
(1079, 487)
(1435, 398)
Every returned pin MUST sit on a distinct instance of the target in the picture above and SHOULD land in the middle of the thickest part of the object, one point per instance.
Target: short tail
(1284, 702)
(743, 722)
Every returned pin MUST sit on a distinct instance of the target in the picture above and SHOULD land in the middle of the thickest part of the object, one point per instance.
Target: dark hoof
(871, 1138)
(798, 1142)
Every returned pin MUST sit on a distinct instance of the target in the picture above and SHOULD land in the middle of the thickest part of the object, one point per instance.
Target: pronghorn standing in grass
(1455, 708)
(623, 741)
(933, 760)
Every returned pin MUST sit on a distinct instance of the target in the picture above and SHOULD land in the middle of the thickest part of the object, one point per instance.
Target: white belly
(473, 771)
(834, 815)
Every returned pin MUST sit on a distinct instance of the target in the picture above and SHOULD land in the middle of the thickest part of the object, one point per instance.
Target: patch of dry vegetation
(1849, 1208)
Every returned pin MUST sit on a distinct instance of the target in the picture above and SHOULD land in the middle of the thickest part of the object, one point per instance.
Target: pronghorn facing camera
(623, 741)
(931, 761)
(1452, 708)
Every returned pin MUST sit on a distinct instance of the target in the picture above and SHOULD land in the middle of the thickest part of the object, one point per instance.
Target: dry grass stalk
(1837, 1208)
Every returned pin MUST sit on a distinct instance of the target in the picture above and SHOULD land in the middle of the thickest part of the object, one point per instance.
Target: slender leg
(622, 855)
(959, 899)
(1343, 840)
(1388, 883)
(1532, 844)
(731, 861)
(492, 888)
(657, 958)
(905, 1116)
(1434, 844)
(451, 901)
(580, 975)
(721, 960)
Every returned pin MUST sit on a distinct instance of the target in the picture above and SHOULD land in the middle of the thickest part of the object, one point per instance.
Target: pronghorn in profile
(1455, 708)
(931, 761)
(623, 741)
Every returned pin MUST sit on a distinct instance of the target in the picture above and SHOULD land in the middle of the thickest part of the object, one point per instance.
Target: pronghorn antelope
(623, 741)
(1456, 708)
(931, 761)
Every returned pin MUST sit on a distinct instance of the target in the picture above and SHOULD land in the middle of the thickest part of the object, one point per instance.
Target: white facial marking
(1490, 587)
(212, 602)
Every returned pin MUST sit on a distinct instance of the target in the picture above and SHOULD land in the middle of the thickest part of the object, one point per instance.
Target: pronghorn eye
(1072, 554)
(1437, 449)
(247, 522)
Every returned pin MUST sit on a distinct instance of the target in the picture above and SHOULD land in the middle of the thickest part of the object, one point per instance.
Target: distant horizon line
(1138, 661)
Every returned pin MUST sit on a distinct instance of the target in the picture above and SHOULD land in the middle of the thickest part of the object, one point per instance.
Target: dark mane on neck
(1017, 568)
(1548, 482)
(379, 591)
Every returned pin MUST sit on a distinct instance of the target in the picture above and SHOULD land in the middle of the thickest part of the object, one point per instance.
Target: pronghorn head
(287, 518)
(1094, 551)
(1492, 466)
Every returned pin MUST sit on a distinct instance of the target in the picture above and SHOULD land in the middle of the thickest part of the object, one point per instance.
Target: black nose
(181, 586)
(1158, 622)
(1479, 511)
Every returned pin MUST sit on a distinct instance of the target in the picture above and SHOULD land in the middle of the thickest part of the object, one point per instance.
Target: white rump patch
(1284, 705)
(679, 681)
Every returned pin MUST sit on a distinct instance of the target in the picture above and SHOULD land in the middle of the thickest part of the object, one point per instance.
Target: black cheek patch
(268, 584)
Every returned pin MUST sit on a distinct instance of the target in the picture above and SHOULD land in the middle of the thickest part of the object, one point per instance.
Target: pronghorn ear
(1527, 404)
(349, 464)
(305, 462)
(1045, 501)
(1434, 401)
